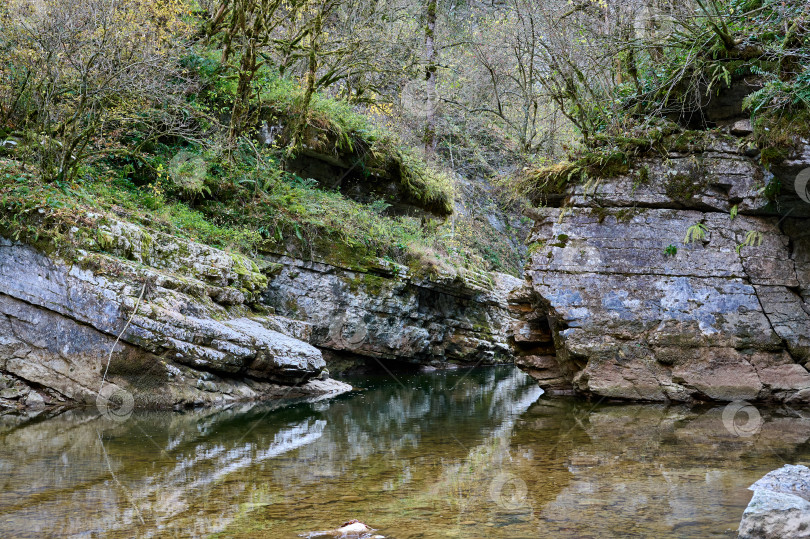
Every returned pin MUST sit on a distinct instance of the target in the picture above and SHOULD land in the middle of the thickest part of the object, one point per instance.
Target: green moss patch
(540, 182)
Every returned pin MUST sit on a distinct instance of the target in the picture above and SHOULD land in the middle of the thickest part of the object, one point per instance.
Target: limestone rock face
(780, 507)
(386, 313)
(186, 335)
(618, 304)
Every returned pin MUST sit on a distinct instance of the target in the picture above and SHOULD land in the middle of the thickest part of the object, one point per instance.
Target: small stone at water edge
(352, 528)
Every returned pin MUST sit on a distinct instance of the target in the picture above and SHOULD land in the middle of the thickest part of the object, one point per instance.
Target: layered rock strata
(385, 312)
(187, 336)
(181, 323)
(618, 304)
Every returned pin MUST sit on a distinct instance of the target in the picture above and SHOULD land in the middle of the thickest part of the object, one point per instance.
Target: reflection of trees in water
(198, 470)
(446, 450)
(435, 416)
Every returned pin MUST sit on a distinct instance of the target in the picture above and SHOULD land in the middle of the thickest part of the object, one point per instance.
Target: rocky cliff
(618, 303)
(172, 322)
(386, 312)
(181, 310)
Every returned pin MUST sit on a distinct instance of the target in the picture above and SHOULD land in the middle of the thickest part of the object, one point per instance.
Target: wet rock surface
(780, 507)
(618, 304)
(187, 336)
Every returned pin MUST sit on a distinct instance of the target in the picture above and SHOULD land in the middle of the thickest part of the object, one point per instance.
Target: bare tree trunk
(430, 75)
(652, 26)
(313, 55)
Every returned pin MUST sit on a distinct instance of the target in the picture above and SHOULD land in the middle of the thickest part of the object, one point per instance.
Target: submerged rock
(352, 528)
(780, 508)
(618, 304)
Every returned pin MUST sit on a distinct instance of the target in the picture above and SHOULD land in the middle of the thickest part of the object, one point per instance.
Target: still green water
(460, 454)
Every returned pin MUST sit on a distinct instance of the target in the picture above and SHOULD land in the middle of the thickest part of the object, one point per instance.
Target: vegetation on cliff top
(204, 114)
(672, 67)
(188, 116)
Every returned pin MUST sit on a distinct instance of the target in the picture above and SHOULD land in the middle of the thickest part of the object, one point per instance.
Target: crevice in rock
(707, 210)
(652, 274)
(39, 387)
(535, 342)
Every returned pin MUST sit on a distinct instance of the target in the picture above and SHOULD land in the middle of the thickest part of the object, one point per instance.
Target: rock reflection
(194, 473)
(431, 455)
(78, 473)
(652, 470)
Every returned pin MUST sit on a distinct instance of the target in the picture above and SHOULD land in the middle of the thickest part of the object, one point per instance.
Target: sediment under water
(458, 454)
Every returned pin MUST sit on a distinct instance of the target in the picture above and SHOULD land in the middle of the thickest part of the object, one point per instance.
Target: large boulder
(780, 507)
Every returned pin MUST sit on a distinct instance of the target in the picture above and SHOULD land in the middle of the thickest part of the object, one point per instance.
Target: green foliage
(259, 208)
(539, 182)
(719, 44)
(334, 128)
(643, 175)
(432, 189)
(75, 73)
(777, 93)
(778, 132)
(752, 238)
(696, 232)
(161, 152)
(671, 250)
(771, 190)
(188, 172)
(536, 247)
(733, 212)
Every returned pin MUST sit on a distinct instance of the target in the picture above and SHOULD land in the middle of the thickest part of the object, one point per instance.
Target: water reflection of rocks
(651, 470)
(79, 473)
(447, 454)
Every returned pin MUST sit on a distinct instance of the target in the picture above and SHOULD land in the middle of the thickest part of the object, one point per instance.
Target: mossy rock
(684, 186)
(556, 179)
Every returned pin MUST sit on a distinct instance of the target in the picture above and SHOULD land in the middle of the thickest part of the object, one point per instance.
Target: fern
(720, 74)
(752, 238)
(696, 232)
(733, 212)
(801, 88)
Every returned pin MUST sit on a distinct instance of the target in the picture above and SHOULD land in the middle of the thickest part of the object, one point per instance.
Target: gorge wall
(187, 334)
(617, 304)
(199, 325)
(385, 312)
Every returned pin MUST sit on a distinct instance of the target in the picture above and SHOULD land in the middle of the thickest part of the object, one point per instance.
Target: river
(465, 453)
